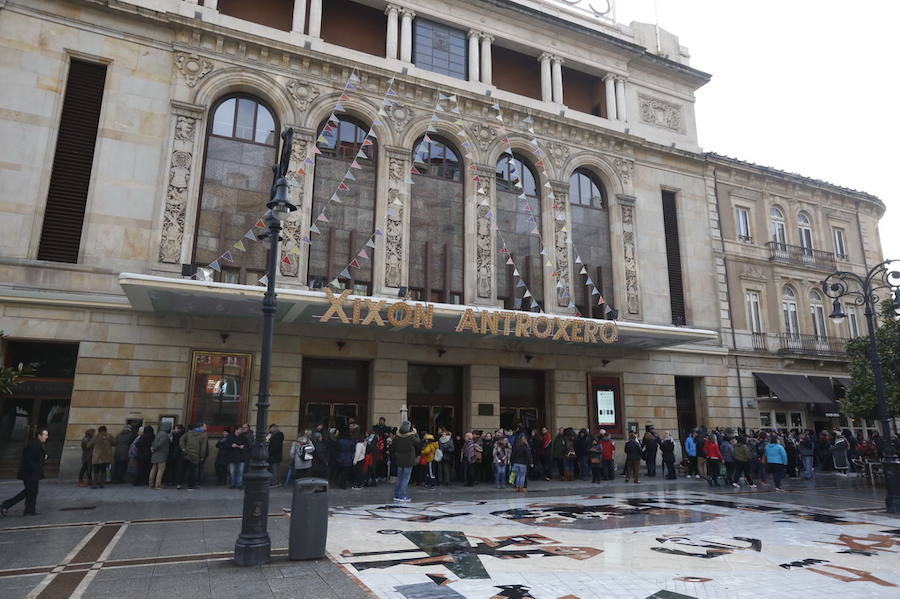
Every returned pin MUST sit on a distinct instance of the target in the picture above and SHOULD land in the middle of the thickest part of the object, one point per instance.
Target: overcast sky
(809, 87)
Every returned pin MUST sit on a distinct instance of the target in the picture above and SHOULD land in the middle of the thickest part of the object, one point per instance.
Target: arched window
(817, 311)
(436, 158)
(437, 223)
(343, 226)
(779, 233)
(789, 310)
(237, 176)
(590, 239)
(804, 227)
(519, 224)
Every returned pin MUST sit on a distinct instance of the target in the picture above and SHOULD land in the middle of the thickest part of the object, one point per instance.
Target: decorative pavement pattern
(667, 546)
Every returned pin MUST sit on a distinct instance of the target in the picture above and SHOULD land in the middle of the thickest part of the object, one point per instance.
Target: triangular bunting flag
(578, 260)
(336, 198)
(264, 281)
(583, 271)
(426, 138)
(227, 257)
(260, 224)
(344, 97)
(321, 140)
(339, 108)
(415, 171)
(349, 175)
(362, 155)
(535, 231)
(249, 235)
(527, 294)
(314, 229)
(305, 239)
(353, 77)
(370, 243)
(520, 283)
(378, 233)
(362, 254)
(354, 164)
(215, 266)
(354, 263)
(343, 187)
(509, 261)
(345, 273)
(367, 142)
(600, 300)
(240, 245)
(286, 260)
(431, 129)
(335, 283)
(516, 272)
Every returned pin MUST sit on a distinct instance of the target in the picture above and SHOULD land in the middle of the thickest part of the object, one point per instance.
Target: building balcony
(795, 254)
(760, 342)
(811, 345)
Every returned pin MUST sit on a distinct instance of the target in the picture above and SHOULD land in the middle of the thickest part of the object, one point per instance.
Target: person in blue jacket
(776, 457)
(690, 448)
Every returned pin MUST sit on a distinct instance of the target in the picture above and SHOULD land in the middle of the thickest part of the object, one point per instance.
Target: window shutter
(673, 258)
(72, 161)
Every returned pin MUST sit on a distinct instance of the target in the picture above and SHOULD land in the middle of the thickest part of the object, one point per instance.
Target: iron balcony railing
(760, 342)
(795, 254)
(811, 345)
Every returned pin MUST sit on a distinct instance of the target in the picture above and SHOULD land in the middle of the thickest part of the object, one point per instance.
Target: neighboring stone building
(516, 164)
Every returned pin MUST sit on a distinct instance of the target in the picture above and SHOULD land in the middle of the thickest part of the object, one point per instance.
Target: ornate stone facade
(629, 254)
(400, 115)
(291, 244)
(180, 164)
(625, 168)
(484, 235)
(193, 67)
(303, 93)
(561, 240)
(484, 135)
(660, 113)
(393, 233)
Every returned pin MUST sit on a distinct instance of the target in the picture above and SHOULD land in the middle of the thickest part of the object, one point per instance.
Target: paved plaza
(559, 541)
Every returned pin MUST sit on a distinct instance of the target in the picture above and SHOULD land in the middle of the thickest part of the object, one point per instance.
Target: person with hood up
(501, 456)
(122, 443)
(101, 455)
(159, 454)
(194, 449)
(596, 458)
(302, 455)
(426, 459)
(609, 455)
(84, 475)
(651, 447)
(275, 440)
(545, 454)
(468, 457)
(583, 453)
(667, 447)
(690, 448)
(406, 449)
(448, 453)
(839, 452)
(143, 446)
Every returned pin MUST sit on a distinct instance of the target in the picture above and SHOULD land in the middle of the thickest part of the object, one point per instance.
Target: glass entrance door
(434, 397)
(430, 418)
(333, 392)
(511, 417)
(522, 398)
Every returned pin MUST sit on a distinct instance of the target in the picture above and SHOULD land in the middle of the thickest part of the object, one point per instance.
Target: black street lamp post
(864, 292)
(253, 546)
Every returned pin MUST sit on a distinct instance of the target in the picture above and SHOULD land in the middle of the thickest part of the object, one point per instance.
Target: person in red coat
(608, 446)
(713, 460)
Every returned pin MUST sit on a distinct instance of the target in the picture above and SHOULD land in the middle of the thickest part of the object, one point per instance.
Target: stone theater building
(504, 216)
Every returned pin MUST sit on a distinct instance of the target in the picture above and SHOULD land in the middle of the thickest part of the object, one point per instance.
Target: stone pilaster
(181, 183)
(396, 219)
(629, 254)
(293, 228)
(484, 244)
(562, 243)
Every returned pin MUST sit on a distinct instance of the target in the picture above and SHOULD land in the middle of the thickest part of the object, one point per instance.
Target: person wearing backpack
(301, 454)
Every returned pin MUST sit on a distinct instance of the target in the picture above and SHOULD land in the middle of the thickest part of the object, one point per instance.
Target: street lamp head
(837, 314)
(280, 205)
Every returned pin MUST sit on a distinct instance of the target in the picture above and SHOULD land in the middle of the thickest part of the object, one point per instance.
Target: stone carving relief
(632, 297)
(561, 240)
(484, 255)
(393, 231)
(292, 234)
(484, 135)
(302, 93)
(180, 162)
(625, 168)
(660, 113)
(559, 153)
(192, 67)
(400, 115)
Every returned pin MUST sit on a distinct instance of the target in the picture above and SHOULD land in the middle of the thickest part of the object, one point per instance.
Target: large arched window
(779, 233)
(437, 225)
(519, 224)
(345, 225)
(817, 311)
(237, 176)
(590, 239)
(789, 311)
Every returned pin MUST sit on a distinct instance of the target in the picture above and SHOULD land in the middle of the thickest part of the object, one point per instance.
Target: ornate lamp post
(253, 546)
(864, 292)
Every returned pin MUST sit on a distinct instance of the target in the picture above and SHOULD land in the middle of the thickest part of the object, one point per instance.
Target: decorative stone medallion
(192, 67)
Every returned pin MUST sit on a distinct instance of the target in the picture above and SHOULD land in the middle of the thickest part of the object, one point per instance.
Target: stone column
(181, 186)
(557, 80)
(396, 217)
(299, 23)
(315, 18)
(629, 255)
(486, 63)
(620, 98)
(561, 243)
(392, 11)
(546, 85)
(294, 227)
(406, 35)
(482, 255)
(609, 80)
(473, 55)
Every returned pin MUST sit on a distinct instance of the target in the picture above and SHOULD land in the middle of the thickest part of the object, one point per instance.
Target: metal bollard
(309, 519)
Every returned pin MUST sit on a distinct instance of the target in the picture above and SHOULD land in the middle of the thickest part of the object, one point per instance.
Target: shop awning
(844, 382)
(309, 307)
(823, 384)
(794, 388)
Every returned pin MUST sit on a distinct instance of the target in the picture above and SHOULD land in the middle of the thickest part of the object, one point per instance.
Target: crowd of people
(352, 457)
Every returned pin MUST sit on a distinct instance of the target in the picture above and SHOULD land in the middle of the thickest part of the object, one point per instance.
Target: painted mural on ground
(678, 545)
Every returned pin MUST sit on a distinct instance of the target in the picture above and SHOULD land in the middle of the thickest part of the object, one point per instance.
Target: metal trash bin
(309, 519)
